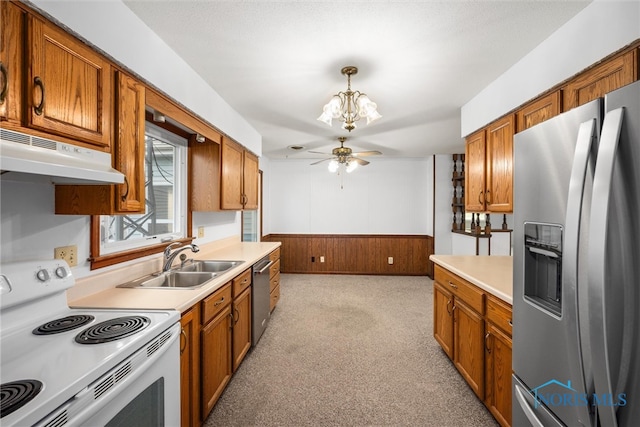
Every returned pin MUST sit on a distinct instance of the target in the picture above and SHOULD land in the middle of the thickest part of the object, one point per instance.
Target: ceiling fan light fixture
(351, 166)
(333, 166)
(349, 106)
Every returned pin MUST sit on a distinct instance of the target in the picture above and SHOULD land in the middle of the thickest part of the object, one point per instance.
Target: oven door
(144, 390)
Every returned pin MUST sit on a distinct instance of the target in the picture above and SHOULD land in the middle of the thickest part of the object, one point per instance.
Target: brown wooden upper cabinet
(489, 168)
(128, 157)
(204, 175)
(11, 59)
(68, 86)
(239, 179)
(600, 80)
(538, 111)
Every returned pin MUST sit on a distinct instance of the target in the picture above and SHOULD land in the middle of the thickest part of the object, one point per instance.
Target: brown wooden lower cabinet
(473, 328)
(190, 368)
(355, 254)
(241, 326)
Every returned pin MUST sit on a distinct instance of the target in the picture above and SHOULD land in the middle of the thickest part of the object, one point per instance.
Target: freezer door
(553, 173)
(614, 262)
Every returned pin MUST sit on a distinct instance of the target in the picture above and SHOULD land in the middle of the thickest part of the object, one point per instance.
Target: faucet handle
(167, 250)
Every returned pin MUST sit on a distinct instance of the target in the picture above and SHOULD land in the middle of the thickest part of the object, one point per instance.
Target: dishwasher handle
(259, 269)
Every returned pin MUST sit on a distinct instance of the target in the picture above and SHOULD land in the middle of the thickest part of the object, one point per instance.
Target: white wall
(389, 196)
(598, 30)
(444, 195)
(116, 30)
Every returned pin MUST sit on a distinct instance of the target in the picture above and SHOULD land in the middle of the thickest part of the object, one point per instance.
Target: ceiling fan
(345, 156)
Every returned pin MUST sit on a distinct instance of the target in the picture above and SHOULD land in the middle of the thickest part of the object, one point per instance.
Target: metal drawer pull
(452, 285)
(510, 322)
(217, 303)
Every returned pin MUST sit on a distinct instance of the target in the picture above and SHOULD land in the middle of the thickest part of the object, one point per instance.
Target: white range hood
(22, 155)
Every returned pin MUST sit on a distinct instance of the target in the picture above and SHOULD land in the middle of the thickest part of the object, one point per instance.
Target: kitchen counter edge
(178, 299)
(493, 274)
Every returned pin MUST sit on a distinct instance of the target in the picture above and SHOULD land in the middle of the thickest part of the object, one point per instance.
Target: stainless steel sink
(212, 266)
(171, 280)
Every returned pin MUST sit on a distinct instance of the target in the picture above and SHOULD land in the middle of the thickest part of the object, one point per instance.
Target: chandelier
(349, 106)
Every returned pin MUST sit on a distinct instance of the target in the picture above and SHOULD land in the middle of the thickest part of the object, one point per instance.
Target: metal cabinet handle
(452, 285)
(449, 311)
(235, 310)
(126, 193)
(486, 197)
(183, 347)
(486, 342)
(5, 83)
(37, 81)
(217, 303)
(511, 322)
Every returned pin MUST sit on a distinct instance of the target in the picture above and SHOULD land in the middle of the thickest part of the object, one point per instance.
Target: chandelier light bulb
(333, 166)
(351, 166)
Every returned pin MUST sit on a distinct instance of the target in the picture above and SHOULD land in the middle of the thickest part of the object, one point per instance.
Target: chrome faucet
(170, 256)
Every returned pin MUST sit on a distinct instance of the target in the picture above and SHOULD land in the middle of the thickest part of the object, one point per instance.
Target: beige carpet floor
(349, 351)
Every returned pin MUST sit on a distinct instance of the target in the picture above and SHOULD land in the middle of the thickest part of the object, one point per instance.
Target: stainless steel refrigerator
(576, 283)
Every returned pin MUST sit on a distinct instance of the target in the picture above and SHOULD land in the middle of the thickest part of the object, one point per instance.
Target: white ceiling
(278, 63)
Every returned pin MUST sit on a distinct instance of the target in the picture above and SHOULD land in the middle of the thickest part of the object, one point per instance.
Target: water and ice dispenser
(543, 266)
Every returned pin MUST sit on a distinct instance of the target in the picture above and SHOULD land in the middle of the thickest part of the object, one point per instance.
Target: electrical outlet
(200, 231)
(67, 253)
(321, 259)
(390, 260)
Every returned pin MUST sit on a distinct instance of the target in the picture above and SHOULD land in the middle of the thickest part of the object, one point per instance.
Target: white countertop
(172, 298)
(494, 274)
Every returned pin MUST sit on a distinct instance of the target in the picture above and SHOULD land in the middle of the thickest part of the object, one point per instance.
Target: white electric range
(64, 366)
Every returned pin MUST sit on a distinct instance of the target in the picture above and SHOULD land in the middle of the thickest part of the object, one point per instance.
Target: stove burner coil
(16, 394)
(63, 324)
(113, 329)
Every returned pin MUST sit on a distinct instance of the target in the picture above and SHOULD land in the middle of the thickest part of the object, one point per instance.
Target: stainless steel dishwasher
(260, 299)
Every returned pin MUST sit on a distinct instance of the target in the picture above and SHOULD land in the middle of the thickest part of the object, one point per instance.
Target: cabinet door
(11, 58)
(216, 359)
(69, 86)
(231, 178)
(241, 327)
(190, 368)
(475, 158)
(129, 147)
(538, 111)
(250, 181)
(498, 374)
(468, 340)
(204, 175)
(599, 81)
(499, 181)
(443, 318)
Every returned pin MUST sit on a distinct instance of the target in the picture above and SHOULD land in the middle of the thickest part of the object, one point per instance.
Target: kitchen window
(165, 193)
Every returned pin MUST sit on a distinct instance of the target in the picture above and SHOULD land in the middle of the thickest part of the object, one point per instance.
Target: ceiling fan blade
(367, 153)
(361, 162)
(320, 161)
(318, 152)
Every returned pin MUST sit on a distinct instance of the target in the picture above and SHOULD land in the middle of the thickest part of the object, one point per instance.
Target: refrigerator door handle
(597, 281)
(522, 401)
(570, 255)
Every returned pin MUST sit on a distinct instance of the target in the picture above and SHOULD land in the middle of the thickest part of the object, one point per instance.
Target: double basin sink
(191, 275)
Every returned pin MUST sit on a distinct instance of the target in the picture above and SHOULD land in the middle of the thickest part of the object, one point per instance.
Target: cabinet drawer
(462, 289)
(241, 282)
(275, 281)
(275, 268)
(275, 255)
(275, 297)
(499, 313)
(215, 303)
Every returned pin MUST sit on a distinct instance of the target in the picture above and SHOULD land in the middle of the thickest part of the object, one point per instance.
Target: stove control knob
(61, 272)
(42, 275)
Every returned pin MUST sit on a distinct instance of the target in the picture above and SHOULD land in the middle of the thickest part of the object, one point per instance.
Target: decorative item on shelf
(473, 222)
(457, 202)
(504, 222)
(487, 224)
(349, 106)
(478, 229)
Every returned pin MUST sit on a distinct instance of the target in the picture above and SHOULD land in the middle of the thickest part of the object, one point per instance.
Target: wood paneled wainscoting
(355, 253)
